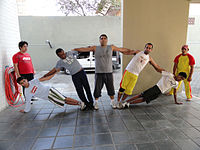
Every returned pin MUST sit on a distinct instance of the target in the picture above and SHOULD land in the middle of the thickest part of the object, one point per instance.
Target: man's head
(23, 82)
(181, 76)
(184, 49)
(103, 39)
(23, 46)
(60, 53)
(148, 48)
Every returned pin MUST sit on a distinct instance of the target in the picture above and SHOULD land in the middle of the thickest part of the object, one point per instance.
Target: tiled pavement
(159, 125)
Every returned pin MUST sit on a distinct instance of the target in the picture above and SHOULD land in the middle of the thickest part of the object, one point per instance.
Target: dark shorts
(100, 80)
(151, 94)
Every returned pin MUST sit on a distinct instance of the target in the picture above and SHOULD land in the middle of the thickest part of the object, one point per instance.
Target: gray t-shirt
(103, 59)
(35, 89)
(70, 63)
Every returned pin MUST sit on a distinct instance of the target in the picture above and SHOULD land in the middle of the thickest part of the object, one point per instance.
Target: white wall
(193, 39)
(9, 38)
(65, 32)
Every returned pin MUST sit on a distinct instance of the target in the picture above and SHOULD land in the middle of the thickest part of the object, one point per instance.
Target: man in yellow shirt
(184, 62)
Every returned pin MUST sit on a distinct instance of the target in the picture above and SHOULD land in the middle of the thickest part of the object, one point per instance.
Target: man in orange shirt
(184, 63)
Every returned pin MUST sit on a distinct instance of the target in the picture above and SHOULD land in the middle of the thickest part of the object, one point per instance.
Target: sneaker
(119, 105)
(83, 106)
(34, 99)
(126, 105)
(112, 103)
(189, 99)
(96, 106)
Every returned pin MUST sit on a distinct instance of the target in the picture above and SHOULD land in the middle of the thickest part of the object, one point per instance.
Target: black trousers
(81, 82)
(100, 80)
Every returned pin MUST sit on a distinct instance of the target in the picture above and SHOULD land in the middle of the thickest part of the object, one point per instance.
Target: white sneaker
(96, 106)
(189, 99)
(119, 105)
(82, 105)
(112, 103)
(125, 104)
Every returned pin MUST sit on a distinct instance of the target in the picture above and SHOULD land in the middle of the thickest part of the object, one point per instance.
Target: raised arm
(156, 66)
(125, 51)
(85, 49)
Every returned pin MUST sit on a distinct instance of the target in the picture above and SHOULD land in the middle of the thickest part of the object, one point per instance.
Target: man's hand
(178, 103)
(189, 79)
(22, 111)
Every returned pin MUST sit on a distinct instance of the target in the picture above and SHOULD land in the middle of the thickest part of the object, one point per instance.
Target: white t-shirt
(35, 89)
(167, 82)
(138, 62)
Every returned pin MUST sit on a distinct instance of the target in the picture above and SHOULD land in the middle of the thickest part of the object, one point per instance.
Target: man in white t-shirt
(133, 69)
(167, 82)
(34, 88)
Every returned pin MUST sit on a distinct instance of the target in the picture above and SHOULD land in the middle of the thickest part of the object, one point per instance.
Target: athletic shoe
(96, 106)
(31, 102)
(34, 99)
(189, 99)
(126, 105)
(119, 105)
(112, 103)
(83, 106)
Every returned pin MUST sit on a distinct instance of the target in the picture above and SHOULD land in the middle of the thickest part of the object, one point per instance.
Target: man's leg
(87, 88)
(133, 98)
(140, 100)
(120, 93)
(131, 82)
(98, 87)
(188, 91)
(71, 101)
(79, 88)
(110, 88)
(123, 85)
(124, 96)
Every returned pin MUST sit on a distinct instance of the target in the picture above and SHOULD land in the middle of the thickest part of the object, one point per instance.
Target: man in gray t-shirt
(79, 78)
(103, 67)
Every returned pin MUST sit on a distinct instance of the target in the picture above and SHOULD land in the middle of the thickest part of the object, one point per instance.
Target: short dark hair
(183, 74)
(20, 79)
(59, 50)
(103, 35)
(22, 43)
(149, 44)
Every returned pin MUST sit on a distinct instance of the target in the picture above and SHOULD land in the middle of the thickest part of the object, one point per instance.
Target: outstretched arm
(85, 49)
(47, 77)
(52, 71)
(125, 51)
(175, 98)
(156, 66)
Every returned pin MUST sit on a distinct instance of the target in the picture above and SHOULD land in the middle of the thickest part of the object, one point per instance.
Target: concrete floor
(158, 125)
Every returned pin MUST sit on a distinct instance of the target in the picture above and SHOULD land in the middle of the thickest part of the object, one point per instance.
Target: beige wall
(65, 32)
(162, 22)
